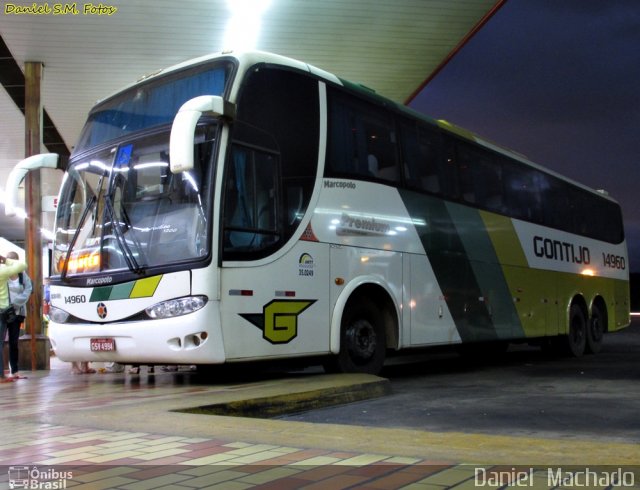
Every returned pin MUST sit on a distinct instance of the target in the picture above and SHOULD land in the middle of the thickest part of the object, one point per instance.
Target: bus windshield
(151, 104)
(121, 208)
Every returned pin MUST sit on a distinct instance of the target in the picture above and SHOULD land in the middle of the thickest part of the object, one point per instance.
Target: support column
(39, 344)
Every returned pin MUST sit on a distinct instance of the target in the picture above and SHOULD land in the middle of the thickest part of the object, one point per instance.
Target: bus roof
(246, 59)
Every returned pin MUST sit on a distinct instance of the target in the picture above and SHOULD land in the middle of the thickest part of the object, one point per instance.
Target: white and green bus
(246, 206)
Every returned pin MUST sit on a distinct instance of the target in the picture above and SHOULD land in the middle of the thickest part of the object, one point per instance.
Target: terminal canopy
(91, 50)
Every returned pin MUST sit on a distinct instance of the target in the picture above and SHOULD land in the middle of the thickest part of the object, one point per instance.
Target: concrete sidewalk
(118, 430)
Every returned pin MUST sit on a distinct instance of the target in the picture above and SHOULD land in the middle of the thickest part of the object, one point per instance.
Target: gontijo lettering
(562, 251)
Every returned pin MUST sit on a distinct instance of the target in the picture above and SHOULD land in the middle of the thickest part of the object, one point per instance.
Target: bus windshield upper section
(120, 206)
(152, 104)
(122, 209)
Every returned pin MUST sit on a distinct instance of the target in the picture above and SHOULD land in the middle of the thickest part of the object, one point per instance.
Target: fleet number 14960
(78, 298)
(614, 261)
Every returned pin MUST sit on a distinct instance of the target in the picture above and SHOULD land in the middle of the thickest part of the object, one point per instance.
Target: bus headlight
(176, 307)
(57, 315)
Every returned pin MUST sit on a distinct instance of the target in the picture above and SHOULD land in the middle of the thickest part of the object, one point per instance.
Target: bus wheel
(576, 339)
(362, 339)
(595, 330)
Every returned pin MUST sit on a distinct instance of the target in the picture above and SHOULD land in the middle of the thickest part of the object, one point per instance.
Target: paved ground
(123, 431)
(523, 393)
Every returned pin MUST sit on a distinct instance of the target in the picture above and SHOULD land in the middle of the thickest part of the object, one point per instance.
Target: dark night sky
(558, 81)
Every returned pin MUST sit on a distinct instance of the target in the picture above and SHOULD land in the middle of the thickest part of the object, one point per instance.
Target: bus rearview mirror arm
(19, 172)
(184, 127)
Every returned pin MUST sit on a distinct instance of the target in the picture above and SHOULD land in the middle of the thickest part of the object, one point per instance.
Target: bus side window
(467, 164)
(250, 211)
(490, 184)
(421, 157)
(278, 116)
(522, 192)
(481, 177)
(342, 152)
(381, 150)
(362, 141)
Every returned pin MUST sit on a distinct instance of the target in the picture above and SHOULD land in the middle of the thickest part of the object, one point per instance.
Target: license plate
(101, 345)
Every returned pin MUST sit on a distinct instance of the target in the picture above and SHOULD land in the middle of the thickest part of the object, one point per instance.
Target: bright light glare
(243, 28)
(141, 166)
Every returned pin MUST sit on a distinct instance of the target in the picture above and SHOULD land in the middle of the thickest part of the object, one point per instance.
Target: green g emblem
(279, 319)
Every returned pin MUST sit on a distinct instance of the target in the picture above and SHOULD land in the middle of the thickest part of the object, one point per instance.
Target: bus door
(277, 308)
(274, 291)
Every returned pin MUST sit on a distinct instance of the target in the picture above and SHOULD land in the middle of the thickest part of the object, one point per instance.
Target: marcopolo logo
(35, 478)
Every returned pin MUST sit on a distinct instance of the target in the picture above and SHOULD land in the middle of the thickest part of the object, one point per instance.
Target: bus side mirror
(184, 127)
(18, 173)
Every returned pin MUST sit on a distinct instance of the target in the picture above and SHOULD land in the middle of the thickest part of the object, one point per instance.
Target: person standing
(8, 268)
(20, 288)
(46, 297)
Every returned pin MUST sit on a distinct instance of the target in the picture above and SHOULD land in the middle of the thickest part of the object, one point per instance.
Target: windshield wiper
(129, 257)
(72, 244)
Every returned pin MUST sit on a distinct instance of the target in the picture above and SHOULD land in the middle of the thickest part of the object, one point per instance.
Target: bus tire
(595, 330)
(576, 338)
(362, 339)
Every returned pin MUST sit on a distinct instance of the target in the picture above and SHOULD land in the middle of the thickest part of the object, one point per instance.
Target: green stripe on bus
(488, 272)
(530, 290)
(451, 263)
(101, 293)
(122, 291)
(142, 288)
(145, 287)
(504, 238)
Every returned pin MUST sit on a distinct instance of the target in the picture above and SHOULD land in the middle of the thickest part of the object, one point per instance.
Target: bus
(247, 206)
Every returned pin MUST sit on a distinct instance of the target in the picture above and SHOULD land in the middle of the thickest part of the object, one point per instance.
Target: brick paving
(62, 430)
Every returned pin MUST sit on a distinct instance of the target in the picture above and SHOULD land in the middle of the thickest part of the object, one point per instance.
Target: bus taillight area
(191, 339)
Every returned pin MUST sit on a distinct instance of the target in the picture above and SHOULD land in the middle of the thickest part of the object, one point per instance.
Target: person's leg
(3, 329)
(86, 368)
(14, 334)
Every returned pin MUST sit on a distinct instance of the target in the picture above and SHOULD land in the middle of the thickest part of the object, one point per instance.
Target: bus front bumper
(194, 338)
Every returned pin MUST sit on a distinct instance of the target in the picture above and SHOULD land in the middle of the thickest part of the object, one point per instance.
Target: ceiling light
(243, 27)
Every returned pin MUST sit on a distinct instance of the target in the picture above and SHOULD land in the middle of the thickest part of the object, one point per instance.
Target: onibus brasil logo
(32, 477)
